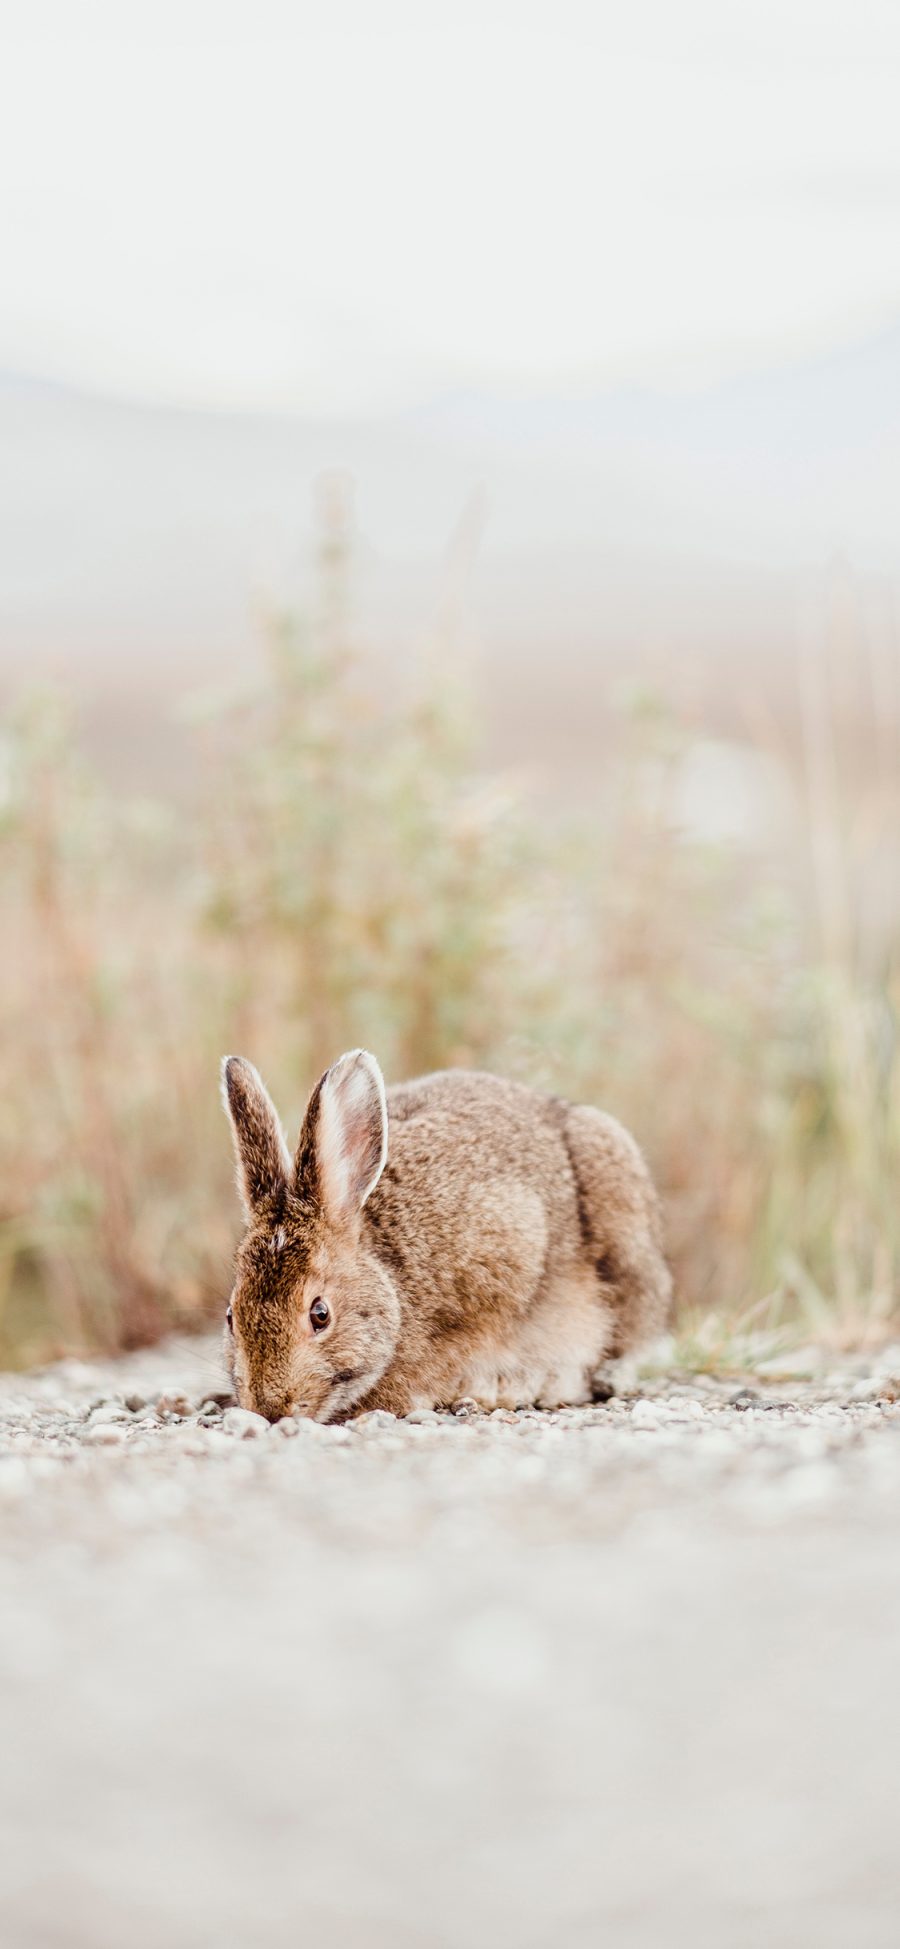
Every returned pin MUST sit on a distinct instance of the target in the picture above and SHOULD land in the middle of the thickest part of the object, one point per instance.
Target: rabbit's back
(473, 1197)
(513, 1221)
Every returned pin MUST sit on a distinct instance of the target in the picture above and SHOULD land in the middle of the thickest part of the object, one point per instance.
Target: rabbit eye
(319, 1314)
(229, 1320)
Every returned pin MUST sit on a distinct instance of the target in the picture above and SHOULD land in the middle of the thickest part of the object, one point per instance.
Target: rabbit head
(314, 1319)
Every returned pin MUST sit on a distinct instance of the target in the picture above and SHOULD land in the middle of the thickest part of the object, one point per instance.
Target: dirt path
(626, 1675)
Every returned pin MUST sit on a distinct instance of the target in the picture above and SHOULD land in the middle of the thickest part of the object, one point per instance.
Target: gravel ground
(625, 1674)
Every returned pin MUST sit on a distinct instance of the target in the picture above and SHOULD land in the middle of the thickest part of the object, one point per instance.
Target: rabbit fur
(457, 1236)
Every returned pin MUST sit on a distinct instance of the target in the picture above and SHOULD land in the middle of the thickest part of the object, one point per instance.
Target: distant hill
(630, 530)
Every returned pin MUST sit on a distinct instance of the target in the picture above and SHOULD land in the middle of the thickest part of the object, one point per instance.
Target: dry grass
(343, 876)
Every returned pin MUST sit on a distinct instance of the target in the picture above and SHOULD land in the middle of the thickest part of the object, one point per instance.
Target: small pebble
(107, 1413)
(242, 1422)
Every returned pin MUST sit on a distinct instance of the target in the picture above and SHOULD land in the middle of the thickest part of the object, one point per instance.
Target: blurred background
(449, 601)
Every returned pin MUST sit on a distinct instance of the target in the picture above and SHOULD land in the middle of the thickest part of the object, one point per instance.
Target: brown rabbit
(457, 1236)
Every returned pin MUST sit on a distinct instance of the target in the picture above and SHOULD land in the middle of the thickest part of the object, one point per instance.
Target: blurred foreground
(532, 1678)
(708, 948)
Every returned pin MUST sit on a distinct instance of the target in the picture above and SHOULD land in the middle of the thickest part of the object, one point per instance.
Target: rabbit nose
(273, 1409)
(284, 1410)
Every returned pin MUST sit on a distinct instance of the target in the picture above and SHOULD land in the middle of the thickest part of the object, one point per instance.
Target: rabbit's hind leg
(620, 1218)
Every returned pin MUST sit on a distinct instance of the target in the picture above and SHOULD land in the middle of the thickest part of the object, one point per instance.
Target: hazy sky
(358, 203)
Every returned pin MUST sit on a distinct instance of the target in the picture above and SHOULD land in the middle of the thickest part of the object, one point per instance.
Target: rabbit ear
(343, 1143)
(263, 1159)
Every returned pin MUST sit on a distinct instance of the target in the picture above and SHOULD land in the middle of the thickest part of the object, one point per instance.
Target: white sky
(358, 203)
